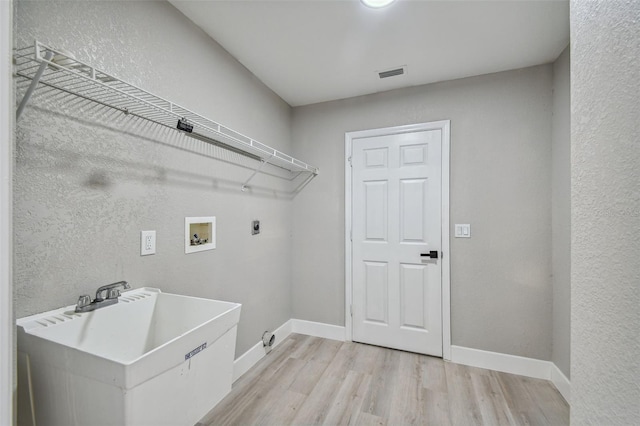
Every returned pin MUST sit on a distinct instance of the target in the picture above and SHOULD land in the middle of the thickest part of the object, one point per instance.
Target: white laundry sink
(152, 359)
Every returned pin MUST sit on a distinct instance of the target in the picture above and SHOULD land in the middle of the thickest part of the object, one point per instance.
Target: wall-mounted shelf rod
(60, 71)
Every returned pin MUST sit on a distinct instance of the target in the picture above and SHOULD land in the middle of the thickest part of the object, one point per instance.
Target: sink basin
(152, 359)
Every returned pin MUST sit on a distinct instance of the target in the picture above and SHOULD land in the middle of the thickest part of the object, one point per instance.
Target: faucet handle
(84, 300)
(109, 290)
(113, 293)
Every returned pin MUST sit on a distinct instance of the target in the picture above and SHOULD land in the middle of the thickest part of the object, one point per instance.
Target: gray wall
(500, 184)
(605, 213)
(88, 180)
(561, 212)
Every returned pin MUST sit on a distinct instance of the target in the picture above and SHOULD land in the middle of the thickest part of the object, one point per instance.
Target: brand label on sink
(196, 351)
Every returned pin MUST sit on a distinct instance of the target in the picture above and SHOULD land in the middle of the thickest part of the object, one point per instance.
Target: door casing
(444, 126)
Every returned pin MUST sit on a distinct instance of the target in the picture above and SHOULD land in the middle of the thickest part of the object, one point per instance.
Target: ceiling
(310, 51)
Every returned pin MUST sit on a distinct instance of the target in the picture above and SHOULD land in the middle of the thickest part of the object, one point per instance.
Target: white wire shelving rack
(59, 70)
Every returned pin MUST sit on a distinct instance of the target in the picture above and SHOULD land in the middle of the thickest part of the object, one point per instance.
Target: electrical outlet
(147, 243)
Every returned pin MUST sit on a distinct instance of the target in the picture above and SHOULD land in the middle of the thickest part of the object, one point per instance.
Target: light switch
(463, 230)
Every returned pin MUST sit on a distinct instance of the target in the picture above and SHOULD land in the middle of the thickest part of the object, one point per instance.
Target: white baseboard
(513, 364)
(257, 352)
(501, 362)
(318, 329)
(561, 383)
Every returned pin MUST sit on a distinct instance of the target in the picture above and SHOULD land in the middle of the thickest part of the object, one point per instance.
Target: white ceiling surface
(310, 51)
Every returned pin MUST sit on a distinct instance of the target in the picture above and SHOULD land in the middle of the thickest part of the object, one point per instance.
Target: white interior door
(396, 221)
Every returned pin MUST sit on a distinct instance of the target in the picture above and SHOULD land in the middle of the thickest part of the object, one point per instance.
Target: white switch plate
(147, 243)
(462, 230)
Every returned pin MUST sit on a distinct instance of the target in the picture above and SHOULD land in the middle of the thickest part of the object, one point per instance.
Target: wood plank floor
(311, 381)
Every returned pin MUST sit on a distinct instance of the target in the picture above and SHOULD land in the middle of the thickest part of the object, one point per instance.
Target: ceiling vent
(392, 72)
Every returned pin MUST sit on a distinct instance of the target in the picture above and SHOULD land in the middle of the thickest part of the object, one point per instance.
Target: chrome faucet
(112, 293)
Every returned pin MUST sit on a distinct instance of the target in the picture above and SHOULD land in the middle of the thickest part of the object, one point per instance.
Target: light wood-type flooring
(311, 381)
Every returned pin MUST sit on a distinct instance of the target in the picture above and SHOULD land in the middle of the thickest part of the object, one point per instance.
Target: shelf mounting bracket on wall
(255, 172)
(60, 71)
(34, 83)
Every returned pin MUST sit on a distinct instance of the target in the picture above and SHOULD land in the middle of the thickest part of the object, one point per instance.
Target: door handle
(432, 254)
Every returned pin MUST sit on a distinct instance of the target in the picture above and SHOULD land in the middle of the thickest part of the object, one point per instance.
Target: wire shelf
(59, 70)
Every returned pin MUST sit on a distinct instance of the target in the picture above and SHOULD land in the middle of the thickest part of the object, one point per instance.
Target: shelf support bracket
(34, 83)
(255, 172)
(305, 182)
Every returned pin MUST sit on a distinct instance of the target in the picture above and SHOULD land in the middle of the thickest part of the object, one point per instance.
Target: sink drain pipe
(268, 339)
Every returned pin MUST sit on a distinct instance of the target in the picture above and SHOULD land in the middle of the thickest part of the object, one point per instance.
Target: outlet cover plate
(147, 243)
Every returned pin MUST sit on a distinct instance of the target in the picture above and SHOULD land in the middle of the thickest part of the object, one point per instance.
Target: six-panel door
(396, 210)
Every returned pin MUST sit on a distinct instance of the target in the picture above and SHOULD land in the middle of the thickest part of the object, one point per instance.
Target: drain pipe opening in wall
(268, 339)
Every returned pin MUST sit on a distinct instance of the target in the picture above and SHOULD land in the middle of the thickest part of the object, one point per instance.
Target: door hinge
(351, 310)
(351, 235)
(350, 163)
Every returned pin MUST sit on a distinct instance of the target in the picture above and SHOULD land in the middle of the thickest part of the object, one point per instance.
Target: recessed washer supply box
(152, 359)
(199, 234)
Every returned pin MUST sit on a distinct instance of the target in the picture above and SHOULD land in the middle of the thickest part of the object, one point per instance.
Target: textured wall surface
(8, 384)
(500, 184)
(605, 212)
(89, 179)
(561, 213)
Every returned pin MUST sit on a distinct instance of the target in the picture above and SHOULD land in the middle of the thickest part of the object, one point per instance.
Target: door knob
(432, 254)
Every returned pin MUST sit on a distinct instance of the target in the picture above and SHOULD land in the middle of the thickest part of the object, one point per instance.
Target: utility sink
(152, 359)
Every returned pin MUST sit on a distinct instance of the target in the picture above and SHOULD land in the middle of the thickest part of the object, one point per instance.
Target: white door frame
(443, 125)
(7, 114)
